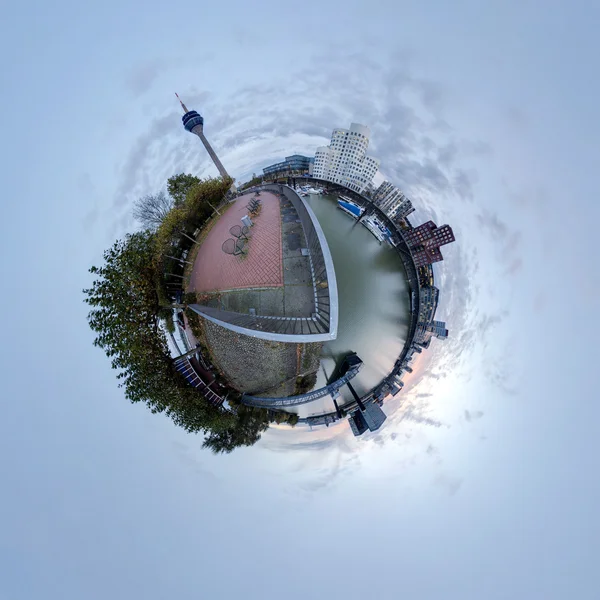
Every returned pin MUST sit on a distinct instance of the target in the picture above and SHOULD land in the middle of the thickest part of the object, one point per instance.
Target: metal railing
(323, 324)
(184, 366)
(405, 256)
(301, 398)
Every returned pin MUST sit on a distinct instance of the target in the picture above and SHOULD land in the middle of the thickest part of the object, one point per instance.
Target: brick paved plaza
(261, 267)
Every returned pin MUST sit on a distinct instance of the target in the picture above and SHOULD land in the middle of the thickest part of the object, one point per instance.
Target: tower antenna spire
(185, 110)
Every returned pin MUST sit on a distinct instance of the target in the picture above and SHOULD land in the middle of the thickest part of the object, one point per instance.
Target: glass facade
(296, 162)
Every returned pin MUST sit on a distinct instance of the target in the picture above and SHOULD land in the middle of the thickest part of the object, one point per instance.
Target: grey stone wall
(260, 367)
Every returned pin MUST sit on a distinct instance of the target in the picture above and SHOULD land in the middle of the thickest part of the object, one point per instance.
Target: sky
(483, 482)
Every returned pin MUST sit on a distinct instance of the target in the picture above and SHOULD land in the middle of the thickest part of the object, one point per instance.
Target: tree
(178, 187)
(129, 299)
(125, 315)
(208, 193)
(151, 210)
(249, 425)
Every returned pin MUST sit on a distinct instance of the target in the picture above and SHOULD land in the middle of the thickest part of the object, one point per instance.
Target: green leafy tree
(125, 316)
(206, 195)
(249, 425)
(179, 185)
(131, 313)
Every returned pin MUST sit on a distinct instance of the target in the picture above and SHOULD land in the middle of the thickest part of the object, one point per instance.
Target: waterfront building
(425, 331)
(382, 192)
(425, 275)
(374, 416)
(428, 301)
(425, 241)
(438, 329)
(345, 161)
(357, 423)
(426, 326)
(367, 416)
(392, 201)
(369, 190)
(194, 123)
(429, 235)
(292, 166)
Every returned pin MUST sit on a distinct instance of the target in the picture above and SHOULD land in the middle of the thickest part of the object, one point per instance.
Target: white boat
(350, 207)
(379, 231)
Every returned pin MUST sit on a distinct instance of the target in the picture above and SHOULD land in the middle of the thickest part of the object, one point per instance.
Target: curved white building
(345, 161)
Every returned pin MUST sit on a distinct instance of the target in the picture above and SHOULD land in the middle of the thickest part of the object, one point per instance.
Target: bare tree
(152, 209)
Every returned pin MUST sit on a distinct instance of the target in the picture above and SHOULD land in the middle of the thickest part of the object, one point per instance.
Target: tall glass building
(295, 164)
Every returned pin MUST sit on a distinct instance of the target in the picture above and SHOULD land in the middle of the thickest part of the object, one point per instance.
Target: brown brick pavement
(263, 264)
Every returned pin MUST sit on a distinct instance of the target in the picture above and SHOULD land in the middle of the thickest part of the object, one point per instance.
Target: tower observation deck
(194, 123)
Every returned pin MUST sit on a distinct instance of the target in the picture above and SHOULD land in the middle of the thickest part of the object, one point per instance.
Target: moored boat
(350, 207)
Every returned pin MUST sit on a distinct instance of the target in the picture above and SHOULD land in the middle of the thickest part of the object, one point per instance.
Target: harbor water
(373, 303)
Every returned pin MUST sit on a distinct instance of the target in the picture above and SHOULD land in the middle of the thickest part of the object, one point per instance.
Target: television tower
(194, 123)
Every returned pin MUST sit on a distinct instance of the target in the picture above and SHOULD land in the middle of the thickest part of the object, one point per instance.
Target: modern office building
(392, 201)
(438, 329)
(425, 332)
(428, 301)
(425, 275)
(194, 123)
(345, 160)
(425, 241)
(369, 190)
(382, 192)
(429, 235)
(294, 165)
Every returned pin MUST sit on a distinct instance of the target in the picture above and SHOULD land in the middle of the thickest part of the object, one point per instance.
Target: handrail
(249, 400)
(322, 326)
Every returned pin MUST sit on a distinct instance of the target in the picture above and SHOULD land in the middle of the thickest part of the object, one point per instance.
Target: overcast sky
(483, 483)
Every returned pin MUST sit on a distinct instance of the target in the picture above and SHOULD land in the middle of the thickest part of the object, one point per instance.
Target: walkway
(261, 267)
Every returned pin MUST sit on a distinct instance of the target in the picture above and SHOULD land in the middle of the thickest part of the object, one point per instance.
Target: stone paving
(273, 279)
(253, 365)
(262, 266)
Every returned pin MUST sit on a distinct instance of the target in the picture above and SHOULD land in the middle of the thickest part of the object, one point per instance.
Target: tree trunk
(189, 238)
(179, 259)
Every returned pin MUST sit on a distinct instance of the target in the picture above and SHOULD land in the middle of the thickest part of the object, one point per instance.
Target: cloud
(517, 117)
(412, 414)
(515, 266)
(419, 151)
(141, 77)
(507, 240)
(87, 190)
(404, 113)
(449, 483)
(472, 416)
(491, 222)
(185, 456)
(90, 219)
(539, 302)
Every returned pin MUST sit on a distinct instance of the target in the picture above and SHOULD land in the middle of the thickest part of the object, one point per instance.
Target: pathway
(260, 267)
